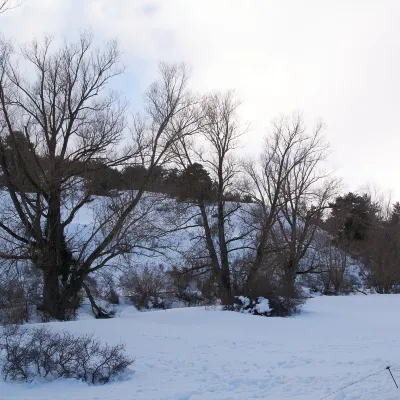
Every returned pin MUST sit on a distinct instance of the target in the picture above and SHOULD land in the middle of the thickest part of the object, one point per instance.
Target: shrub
(19, 292)
(26, 354)
(259, 306)
(280, 303)
(13, 306)
(191, 288)
(326, 282)
(103, 286)
(145, 287)
(284, 306)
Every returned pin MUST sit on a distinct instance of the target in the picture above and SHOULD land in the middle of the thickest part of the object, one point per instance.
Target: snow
(263, 305)
(197, 353)
(245, 300)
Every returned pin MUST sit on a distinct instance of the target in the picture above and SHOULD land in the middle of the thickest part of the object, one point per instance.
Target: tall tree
(72, 123)
(220, 131)
(286, 188)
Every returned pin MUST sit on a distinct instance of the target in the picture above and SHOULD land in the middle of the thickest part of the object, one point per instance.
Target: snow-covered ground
(195, 354)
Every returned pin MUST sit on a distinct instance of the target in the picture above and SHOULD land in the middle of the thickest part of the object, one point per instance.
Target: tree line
(68, 147)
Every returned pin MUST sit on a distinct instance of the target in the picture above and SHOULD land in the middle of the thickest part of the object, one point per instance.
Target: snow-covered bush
(278, 304)
(259, 306)
(284, 306)
(26, 354)
(155, 303)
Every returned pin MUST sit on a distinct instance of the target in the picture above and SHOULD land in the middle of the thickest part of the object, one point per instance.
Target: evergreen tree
(395, 215)
(196, 183)
(351, 216)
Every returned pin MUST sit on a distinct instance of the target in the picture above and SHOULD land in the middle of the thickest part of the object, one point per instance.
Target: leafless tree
(334, 268)
(290, 193)
(220, 131)
(60, 125)
(306, 201)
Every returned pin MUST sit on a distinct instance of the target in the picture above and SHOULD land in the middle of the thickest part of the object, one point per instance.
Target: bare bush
(19, 291)
(145, 286)
(192, 287)
(26, 354)
(183, 288)
(13, 307)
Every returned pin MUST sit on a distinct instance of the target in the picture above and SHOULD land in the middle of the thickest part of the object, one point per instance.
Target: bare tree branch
(6, 5)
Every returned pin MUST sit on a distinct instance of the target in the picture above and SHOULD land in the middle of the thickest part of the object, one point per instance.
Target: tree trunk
(60, 302)
(97, 311)
(290, 276)
(258, 260)
(220, 271)
(61, 280)
(226, 293)
(51, 296)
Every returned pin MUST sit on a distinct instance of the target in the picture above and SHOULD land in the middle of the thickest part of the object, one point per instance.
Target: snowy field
(195, 354)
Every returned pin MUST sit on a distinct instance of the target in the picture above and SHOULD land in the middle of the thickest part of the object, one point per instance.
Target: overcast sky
(338, 60)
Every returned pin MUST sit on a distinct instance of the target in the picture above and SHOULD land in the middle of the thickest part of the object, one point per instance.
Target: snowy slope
(195, 354)
(166, 231)
(163, 229)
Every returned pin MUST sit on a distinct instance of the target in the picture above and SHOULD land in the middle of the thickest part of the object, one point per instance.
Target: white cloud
(334, 59)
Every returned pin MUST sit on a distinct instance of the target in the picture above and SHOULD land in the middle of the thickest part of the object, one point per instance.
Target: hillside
(198, 354)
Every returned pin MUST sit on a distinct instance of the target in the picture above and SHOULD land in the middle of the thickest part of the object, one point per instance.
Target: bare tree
(334, 271)
(335, 268)
(59, 126)
(220, 130)
(306, 195)
(289, 191)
